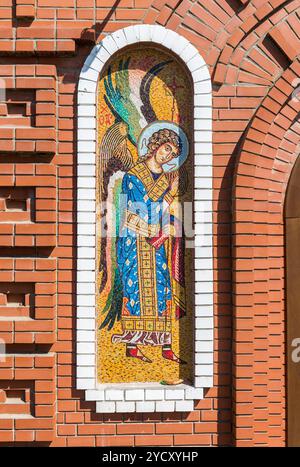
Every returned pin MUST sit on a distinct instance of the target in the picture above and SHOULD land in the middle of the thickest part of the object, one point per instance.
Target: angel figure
(147, 283)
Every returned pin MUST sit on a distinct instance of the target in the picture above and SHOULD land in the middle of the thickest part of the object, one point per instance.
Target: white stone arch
(143, 397)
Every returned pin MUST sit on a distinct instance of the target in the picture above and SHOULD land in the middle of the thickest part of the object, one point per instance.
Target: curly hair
(162, 137)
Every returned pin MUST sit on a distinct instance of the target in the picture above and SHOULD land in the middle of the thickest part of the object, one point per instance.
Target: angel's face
(165, 153)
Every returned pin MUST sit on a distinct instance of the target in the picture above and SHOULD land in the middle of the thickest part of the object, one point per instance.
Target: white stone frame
(143, 397)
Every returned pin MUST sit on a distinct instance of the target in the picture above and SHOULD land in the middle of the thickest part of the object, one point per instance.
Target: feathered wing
(121, 105)
(114, 156)
(183, 178)
(146, 108)
(118, 100)
(113, 307)
(112, 285)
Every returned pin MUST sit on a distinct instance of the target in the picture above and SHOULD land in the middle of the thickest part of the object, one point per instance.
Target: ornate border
(143, 397)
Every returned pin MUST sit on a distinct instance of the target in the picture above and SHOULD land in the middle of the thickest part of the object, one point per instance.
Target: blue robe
(144, 271)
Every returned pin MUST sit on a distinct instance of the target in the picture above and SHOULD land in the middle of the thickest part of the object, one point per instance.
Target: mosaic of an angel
(142, 261)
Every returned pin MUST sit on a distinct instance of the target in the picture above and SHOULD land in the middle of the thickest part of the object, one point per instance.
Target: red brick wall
(251, 49)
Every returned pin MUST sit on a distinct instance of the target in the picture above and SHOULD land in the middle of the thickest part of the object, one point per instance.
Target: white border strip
(148, 397)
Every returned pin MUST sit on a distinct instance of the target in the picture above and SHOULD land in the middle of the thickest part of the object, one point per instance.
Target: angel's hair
(160, 137)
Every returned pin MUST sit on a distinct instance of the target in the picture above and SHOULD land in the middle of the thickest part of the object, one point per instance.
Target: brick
(115, 440)
(161, 440)
(88, 441)
(6, 436)
(174, 428)
(190, 440)
(133, 428)
(84, 430)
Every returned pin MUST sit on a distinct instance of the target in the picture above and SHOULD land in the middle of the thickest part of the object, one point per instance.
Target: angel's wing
(114, 156)
(111, 294)
(119, 98)
(183, 178)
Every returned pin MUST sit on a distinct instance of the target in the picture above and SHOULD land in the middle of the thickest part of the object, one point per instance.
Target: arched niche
(145, 293)
(138, 82)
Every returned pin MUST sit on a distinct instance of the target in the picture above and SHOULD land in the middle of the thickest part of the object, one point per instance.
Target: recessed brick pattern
(251, 49)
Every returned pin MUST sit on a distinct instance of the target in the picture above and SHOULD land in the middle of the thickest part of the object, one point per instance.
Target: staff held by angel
(145, 281)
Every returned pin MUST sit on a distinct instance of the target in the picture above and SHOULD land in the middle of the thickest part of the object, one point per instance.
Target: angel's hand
(174, 186)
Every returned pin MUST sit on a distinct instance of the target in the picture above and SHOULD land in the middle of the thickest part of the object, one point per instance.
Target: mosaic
(144, 176)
